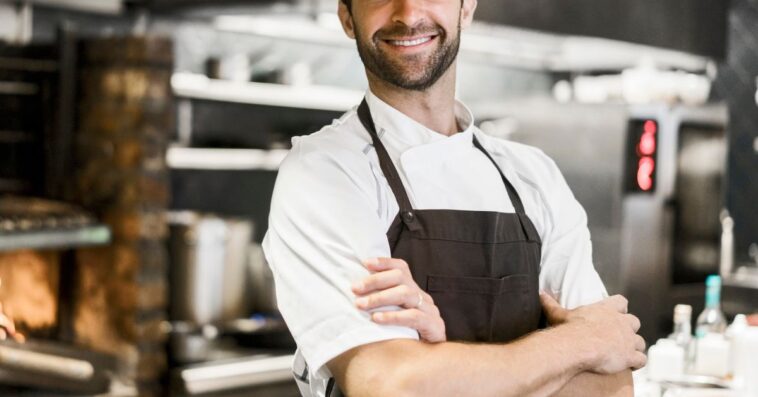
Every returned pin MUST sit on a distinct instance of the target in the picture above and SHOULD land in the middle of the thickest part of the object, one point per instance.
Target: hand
(7, 328)
(610, 331)
(391, 284)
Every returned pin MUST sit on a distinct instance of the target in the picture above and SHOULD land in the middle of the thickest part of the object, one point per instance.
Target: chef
(415, 255)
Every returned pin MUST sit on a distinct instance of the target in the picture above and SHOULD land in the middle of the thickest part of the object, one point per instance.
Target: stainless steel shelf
(217, 377)
(100, 6)
(197, 86)
(56, 238)
(225, 159)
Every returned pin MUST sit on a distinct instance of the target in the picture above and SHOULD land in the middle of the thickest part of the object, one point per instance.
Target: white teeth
(409, 43)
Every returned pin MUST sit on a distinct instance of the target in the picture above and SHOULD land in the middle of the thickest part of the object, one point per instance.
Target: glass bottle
(682, 334)
(712, 319)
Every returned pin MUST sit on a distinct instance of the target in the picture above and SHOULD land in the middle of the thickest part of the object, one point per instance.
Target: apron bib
(482, 268)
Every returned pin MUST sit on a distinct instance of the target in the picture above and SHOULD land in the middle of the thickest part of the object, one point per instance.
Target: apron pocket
(485, 309)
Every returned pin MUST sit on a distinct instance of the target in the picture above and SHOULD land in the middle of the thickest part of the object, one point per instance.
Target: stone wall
(125, 123)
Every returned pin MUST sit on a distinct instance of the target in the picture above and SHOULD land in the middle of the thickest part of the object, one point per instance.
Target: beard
(415, 72)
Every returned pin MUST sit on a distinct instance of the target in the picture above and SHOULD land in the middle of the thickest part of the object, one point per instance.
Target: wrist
(577, 342)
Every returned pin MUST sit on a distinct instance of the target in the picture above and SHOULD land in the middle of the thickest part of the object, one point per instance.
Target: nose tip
(408, 12)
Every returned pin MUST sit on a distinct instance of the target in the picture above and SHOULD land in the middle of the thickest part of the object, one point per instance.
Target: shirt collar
(389, 120)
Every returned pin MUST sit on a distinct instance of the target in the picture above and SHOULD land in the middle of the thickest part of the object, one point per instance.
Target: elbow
(390, 382)
(385, 384)
(383, 369)
(409, 379)
(399, 379)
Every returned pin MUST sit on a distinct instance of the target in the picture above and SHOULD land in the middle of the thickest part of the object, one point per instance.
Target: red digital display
(645, 173)
(643, 143)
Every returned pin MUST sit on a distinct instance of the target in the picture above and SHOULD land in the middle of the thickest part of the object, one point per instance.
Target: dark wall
(736, 84)
(696, 26)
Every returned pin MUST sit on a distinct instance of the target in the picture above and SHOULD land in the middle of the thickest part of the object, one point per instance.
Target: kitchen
(140, 143)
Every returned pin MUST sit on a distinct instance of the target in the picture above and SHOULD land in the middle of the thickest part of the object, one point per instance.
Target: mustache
(400, 30)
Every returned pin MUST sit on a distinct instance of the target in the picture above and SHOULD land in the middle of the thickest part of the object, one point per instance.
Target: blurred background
(140, 139)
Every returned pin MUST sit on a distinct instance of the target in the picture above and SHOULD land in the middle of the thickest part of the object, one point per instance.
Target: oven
(652, 181)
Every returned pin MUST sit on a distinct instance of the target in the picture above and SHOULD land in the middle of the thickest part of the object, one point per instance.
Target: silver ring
(420, 300)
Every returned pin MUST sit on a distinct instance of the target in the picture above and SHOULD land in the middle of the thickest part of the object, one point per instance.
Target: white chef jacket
(332, 207)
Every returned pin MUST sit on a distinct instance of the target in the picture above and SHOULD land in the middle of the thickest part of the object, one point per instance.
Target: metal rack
(224, 159)
(196, 86)
(56, 239)
(33, 223)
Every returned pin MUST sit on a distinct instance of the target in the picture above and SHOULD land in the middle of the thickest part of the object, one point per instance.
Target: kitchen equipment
(54, 367)
(666, 360)
(218, 278)
(209, 281)
(262, 279)
(261, 373)
(20, 214)
(190, 343)
(712, 357)
(745, 362)
(740, 290)
(652, 180)
(29, 222)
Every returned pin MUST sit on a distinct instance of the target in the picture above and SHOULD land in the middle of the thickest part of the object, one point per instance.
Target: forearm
(593, 385)
(540, 364)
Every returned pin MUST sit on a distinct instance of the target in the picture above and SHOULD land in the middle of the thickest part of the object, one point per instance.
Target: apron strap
(512, 193)
(406, 209)
(390, 172)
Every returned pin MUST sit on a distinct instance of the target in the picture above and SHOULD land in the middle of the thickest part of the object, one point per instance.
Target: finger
(412, 318)
(382, 264)
(639, 344)
(618, 303)
(19, 337)
(401, 295)
(638, 361)
(430, 328)
(428, 304)
(555, 313)
(3, 334)
(6, 323)
(634, 321)
(379, 281)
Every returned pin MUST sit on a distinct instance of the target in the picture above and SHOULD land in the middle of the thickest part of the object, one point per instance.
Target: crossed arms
(588, 351)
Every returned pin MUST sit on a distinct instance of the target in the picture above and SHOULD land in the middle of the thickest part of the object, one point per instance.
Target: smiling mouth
(411, 43)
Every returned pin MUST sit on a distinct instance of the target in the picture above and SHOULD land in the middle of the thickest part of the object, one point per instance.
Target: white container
(665, 360)
(712, 356)
(746, 361)
(739, 325)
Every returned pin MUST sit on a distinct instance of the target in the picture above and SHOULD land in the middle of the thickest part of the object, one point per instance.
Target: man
(414, 255)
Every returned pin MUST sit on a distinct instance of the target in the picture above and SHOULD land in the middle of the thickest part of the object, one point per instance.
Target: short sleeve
(323, 223)
(567, 270)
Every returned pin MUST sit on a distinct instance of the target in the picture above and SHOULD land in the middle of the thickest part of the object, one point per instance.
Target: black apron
(482, 268)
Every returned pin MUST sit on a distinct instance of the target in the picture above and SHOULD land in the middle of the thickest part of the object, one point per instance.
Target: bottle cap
(683, 309)
(682, 313)
(666, 343)
(713, 281)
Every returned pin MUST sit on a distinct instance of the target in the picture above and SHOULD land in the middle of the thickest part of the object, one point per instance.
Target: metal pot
(209, 274)
(262, 281)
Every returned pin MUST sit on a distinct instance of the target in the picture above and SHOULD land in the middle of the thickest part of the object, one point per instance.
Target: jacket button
(407, 216)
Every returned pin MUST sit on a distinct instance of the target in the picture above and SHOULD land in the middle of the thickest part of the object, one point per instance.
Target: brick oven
(125, 121)
(106, 302)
